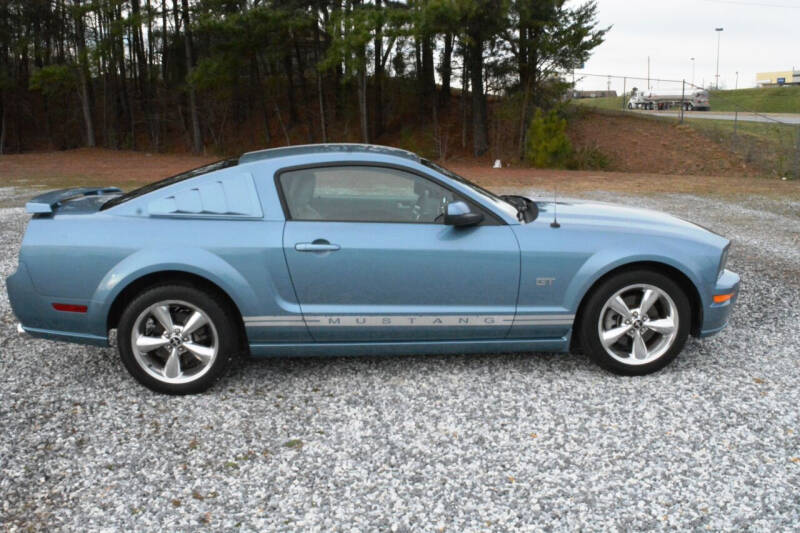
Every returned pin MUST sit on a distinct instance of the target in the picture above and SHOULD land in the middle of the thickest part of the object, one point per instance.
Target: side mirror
(459, 214)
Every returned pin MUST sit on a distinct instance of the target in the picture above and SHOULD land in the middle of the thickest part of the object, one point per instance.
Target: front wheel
(176, 339)
(636, 322)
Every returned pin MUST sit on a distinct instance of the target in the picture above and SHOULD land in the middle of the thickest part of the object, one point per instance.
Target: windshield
(490, 196)
(150, 187)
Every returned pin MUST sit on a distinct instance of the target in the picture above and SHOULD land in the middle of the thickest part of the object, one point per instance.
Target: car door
(371, 259)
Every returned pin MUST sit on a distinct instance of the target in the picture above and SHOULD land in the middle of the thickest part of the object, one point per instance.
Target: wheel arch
(675, 274)
(183, 263)
(173, 277)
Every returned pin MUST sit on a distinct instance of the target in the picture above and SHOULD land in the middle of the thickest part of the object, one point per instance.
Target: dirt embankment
(637, 144)
(93, 167)
(102, 167)
(631, 144)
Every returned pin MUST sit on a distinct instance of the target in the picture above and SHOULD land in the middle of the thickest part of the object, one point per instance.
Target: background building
(781, 77)
(595, 94)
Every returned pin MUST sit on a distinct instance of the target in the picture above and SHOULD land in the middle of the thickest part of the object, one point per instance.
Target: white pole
(719, 34)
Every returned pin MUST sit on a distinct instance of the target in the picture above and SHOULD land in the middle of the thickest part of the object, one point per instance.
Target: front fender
(195, 261)
(604, 261)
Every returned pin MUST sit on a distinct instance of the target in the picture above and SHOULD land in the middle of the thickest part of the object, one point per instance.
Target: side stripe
(407, 320)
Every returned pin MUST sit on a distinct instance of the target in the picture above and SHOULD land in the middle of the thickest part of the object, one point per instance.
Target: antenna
(554, 223)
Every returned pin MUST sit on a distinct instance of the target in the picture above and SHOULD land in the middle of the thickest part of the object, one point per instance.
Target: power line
(579, 74)
(754, 4)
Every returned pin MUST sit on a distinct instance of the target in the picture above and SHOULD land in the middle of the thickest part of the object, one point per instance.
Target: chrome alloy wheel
(638, 324)
(174, 341)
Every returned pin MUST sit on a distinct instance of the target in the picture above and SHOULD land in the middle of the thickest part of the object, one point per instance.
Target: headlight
(723, 260)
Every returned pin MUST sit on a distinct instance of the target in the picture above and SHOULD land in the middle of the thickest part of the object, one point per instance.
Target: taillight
(70, 308)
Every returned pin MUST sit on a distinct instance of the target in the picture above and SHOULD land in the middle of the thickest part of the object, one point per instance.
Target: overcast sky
(757, 36)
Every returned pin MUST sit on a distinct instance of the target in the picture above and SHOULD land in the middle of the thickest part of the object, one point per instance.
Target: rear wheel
(636, 322)
(176, 339)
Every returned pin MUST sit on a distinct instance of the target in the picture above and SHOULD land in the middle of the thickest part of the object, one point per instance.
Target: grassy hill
(770, 100)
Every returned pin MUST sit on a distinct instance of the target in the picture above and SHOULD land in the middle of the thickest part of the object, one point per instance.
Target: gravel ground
(426, 443)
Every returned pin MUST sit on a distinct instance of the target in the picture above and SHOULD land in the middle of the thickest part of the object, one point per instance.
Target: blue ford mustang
(352, 249)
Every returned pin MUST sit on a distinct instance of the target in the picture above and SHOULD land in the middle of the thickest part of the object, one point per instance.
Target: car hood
(622, 218)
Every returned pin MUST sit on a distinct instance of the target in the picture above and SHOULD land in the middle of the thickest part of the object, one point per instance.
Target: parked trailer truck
(695, 100)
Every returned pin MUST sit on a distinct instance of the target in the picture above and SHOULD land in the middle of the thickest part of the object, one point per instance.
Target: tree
(351, 31)
(546, 38)
(83, 71)
(197, 139)
(482, 21)
(214, 71)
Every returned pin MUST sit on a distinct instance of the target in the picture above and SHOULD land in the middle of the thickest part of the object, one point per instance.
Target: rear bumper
(64, 336)
(37, 317)
(716, 315)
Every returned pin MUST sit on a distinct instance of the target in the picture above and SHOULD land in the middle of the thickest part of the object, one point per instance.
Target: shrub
(589, 158)
(53, 80)
(547, 144)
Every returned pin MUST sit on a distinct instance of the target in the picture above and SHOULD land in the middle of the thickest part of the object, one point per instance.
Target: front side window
(497, 201)
(363, 194)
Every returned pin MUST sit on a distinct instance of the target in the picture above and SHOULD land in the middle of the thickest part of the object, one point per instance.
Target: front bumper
(716, 315)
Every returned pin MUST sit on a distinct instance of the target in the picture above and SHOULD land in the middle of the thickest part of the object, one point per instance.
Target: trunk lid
(80, 200)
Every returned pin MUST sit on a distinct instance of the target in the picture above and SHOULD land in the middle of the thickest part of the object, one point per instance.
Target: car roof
(311, 149)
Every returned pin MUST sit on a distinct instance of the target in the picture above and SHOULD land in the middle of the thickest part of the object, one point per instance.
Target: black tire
(220, 318)
(589, 333)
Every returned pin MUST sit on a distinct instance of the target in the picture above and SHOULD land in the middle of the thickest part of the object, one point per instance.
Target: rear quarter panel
(90, 260)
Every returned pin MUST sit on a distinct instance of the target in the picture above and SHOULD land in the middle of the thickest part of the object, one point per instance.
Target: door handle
(319, 245)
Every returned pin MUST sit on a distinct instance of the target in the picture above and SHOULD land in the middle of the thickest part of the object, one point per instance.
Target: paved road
(785, 118)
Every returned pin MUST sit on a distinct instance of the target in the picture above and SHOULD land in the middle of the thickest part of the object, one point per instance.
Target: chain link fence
(769, 141)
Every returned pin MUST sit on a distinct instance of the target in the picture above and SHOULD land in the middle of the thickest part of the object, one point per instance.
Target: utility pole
(797, 156)
(719, 34)
(692, 71)
(624, 91)
(737, 80)
(648, 73)
(683, 98)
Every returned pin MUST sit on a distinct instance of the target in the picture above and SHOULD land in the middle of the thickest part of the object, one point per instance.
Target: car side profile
(342, 249)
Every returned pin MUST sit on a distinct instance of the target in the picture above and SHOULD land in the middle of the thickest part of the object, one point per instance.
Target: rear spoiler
(47, 202)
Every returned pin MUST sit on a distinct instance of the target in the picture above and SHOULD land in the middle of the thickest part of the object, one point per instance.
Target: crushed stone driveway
(453, 443)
